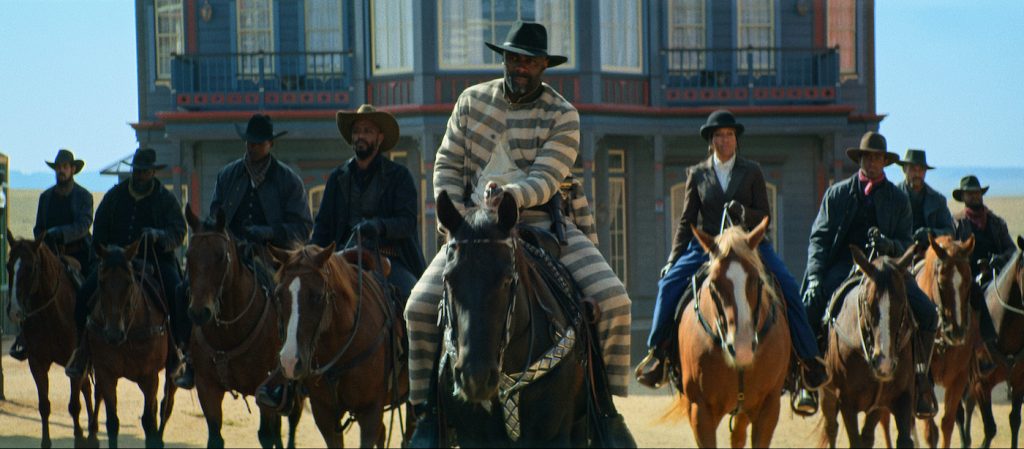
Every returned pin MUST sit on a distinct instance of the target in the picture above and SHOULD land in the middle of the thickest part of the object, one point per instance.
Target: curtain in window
(620, 35)
(255, 34)
(756, 28)
(168, 35)
(842, 33)
(467, 24)
(392, 35)
(324, 37)
(687, 30)
(617, 227)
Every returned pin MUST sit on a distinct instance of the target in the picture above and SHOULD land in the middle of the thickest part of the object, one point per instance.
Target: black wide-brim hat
(66, 157)
(145, 159)
(968, 183)
(530, 39)
(915, 157)
(385, 121)
(873, 143)
(259, 129)
(720, 119)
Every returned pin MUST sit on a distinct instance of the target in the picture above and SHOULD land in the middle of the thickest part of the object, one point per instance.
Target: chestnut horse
(734, 343)
(129, 337)
(235, 338)
(1005, 300)
(342, 331)
(870, 355)
(43, 302)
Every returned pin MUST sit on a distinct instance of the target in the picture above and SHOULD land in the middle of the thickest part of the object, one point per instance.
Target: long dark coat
(936, 211)
(120, 219)
(282, 198)
(997, 228)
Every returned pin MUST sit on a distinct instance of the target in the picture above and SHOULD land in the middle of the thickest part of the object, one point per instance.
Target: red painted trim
(820, 15)
(193, 27)
(146, 125)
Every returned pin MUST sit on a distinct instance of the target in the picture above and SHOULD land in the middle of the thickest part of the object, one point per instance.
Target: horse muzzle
(478, 382)
(200, 315)
(295, 367)
(883, 367)
(113, 334)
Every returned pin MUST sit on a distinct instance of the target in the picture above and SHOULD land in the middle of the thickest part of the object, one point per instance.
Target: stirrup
(641, 372)
(804, 403)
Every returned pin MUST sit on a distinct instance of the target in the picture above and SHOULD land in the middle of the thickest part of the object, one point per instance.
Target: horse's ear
(756, 236)
(447, 214)
(706, 241)
(939, 251)
(968, 245)
(131, 250)
(101, 249)
(192, 219)
(908, 257)
(862, 261)
(279, 255)
(508, 213)
(1020, 242)
(324, 255)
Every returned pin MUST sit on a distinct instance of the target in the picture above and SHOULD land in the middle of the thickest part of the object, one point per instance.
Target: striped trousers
(590, 270)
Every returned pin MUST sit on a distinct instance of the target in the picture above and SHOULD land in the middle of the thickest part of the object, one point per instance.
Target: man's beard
(141, 186)
(916, 183)
(363, 150)
(65, 182)
(519, 90)
(976, 206)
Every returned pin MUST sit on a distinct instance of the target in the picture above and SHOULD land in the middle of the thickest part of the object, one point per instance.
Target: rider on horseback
(372, 198)
(866, 209)
(724, 181)
(136, 208)
(263, 202)
(519, 132)
(63, 217)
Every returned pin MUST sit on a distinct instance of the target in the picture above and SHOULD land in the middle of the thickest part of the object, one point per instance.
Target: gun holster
(554, 209)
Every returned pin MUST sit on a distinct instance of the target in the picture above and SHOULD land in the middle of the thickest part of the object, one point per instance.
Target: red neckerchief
(869, 184)
(979, 218)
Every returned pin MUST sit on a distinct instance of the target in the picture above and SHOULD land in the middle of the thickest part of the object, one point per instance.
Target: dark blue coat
(830, 228)
(282, 197)
(81, 211)
(936, 211)
(120, 219)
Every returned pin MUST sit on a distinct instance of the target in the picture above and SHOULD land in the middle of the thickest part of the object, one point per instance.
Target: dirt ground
(20, 427)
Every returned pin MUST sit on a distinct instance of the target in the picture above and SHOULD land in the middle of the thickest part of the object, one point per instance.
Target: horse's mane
(734, 241)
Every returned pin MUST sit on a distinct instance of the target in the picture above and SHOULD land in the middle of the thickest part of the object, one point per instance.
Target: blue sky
(949, 78)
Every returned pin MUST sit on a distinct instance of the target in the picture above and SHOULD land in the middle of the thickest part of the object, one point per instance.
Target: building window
(314, 197)
(621, 36)
(169, 37)
(324, 36)
(617, 230)
(393, 41)
(687, 35)
(755, 28)
(842, 33)
(467, 24)
(255, 30)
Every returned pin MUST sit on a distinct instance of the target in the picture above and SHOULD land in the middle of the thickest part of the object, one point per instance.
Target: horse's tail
(819, 427)
(678, 411)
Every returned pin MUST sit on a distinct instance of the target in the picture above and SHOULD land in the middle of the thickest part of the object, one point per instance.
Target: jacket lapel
(712, 178)
(268, 195)
(739, 170)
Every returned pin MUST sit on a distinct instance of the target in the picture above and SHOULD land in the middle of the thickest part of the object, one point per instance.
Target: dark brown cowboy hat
(530, 39)
(66, 157)
(385, 121)
(968, 183)
(872, 142)
(915, 157)
(259, 129)
(720, 119)
(145, 159)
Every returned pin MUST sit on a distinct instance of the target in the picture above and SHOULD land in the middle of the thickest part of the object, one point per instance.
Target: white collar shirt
(724, 170)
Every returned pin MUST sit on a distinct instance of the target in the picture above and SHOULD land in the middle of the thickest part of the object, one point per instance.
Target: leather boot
(187, 377)
(277, 393)
(814, 373)
(925, 403)
(652, 372)
(19, 351)
(426, 433)
(79, 361)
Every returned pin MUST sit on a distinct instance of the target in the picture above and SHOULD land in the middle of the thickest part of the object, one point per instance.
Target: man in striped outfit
(520, 133)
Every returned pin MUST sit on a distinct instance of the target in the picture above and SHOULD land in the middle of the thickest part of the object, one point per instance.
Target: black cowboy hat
(872, 142)
(260, 129)
(720, 119)
(145, 159)
(385, 121)
(915, 157)
(530, 39)
(968, 183)
(66, 157)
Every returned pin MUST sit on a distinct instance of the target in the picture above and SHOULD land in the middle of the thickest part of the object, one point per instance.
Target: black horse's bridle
(863, 327)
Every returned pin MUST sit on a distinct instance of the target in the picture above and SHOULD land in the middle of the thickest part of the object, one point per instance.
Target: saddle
(540, 238)
(835, 303)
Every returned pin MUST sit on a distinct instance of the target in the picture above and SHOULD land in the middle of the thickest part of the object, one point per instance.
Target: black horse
(512, 367)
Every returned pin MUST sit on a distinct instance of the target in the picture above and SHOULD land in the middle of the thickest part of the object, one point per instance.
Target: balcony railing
(249, 80)
(751, 75)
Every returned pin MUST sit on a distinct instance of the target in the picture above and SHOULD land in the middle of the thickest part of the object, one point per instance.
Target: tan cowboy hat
(872, 142)
(385, 121)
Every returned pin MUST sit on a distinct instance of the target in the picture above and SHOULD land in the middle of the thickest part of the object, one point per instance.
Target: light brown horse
(129, 337)
(341, 331)
(43, 302)
(734, 343)
(870, 355)
(235, 339)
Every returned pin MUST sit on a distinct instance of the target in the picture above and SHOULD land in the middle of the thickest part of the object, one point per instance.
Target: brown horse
(734, 343)
(870, 355)
(235, 341)
(342, 330)
(1005, 300)
(43, 302)
(129, 337)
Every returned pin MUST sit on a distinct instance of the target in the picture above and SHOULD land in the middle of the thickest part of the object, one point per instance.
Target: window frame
(571, 46)
(769, 67)
(852, 72)
(402, 69)
(310, 193)
(639, 68)
(324, 65)
(618, 214)
(244, 69)
(163, 12)
(702, 63)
